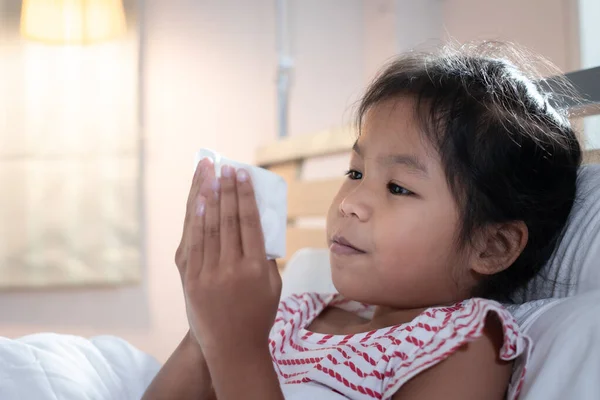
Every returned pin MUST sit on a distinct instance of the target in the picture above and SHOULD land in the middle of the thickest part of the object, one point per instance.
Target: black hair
(507, 148)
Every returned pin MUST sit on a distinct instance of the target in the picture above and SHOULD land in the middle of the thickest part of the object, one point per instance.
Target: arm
(255, 377)
(472, 372)
(184, 376)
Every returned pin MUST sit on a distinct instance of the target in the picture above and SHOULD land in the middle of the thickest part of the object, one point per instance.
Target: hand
(232, 290)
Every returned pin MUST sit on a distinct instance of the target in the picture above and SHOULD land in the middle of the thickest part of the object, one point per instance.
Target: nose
(356, 204)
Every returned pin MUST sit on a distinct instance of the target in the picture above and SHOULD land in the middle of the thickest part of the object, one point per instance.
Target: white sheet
(62, 367)
(565, 363)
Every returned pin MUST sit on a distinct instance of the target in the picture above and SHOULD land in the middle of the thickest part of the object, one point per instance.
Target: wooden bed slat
(303, 147)
(290, 171)
(311, 198)
(591, 156)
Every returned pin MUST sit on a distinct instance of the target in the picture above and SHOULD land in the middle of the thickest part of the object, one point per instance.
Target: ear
(499, 246)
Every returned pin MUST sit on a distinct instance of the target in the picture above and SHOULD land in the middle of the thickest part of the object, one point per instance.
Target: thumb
(275, 275)
(273, 265)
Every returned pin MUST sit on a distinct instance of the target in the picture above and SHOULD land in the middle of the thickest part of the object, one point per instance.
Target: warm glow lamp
(72, 21)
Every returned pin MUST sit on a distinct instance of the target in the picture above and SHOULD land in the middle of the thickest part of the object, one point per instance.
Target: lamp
(72, 21)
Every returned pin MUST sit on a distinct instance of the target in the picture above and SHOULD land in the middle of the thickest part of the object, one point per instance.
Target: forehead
(391, 127)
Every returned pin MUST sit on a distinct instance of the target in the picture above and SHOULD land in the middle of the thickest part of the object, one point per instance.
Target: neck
(388, 316)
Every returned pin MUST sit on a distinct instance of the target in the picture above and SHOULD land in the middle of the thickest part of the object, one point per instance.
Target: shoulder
(473, 318)
(476, 337)
(488, 375)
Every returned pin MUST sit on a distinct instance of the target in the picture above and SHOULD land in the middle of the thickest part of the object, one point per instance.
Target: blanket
(63, 367)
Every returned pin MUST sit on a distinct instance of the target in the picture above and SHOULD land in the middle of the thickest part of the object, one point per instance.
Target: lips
(341, 246)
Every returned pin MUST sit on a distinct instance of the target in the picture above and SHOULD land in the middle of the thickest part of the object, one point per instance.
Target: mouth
(341, 246)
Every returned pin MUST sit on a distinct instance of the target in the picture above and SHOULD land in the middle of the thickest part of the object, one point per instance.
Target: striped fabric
(375, 364)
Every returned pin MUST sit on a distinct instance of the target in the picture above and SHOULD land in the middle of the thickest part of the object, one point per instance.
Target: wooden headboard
(311, 198)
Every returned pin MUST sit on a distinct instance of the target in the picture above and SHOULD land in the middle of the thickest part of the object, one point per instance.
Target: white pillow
(565, 362)
(308, 270)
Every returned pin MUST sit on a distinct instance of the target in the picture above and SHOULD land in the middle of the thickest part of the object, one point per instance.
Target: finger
(182, 250)
(231, 245)
(274, 267)
(253, 244)
(199, 176)
(212, 225)
(196, 240)
(275, 276)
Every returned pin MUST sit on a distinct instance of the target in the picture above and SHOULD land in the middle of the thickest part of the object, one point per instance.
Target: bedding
(565, 363)
(52, 366)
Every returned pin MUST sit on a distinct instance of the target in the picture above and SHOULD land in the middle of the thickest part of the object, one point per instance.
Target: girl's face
(392, 227)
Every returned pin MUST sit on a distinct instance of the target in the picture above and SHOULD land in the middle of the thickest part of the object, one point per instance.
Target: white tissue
(271, 197)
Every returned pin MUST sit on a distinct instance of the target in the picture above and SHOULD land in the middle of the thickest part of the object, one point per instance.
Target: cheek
(422, 236)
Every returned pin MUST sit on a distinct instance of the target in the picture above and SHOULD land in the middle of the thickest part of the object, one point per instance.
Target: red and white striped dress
(375, 364)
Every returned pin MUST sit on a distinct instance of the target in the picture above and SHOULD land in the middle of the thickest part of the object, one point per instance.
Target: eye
(354, 175)
(398, 190)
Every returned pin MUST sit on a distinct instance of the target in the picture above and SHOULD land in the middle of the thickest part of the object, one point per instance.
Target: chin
(351, 286)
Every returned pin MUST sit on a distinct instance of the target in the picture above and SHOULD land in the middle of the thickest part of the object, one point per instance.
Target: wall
(589, 31)
(547, 27)
(380, 21)
(390, 27)
(419, 24)
(328, 51)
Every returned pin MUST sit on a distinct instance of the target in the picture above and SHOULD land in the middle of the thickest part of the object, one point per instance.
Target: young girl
(458, 189)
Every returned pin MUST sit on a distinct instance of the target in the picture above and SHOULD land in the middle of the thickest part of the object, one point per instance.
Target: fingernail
(200, 206)
(226, 171)
(242, 175)
(204, 164)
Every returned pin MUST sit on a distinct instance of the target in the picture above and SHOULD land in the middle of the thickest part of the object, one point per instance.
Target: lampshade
(72, 21)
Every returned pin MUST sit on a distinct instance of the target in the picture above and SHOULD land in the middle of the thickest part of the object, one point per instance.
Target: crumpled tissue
(271, 198)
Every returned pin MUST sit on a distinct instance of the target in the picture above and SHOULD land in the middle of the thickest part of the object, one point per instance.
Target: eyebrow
(408, 160)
